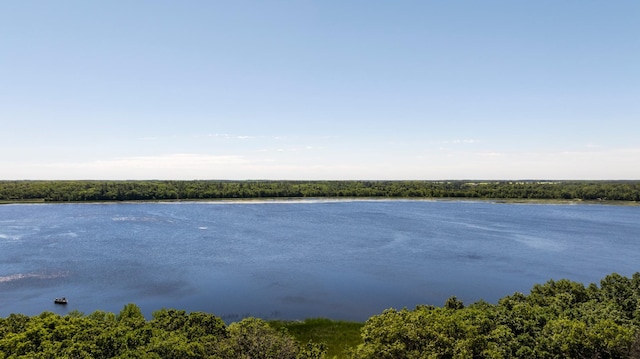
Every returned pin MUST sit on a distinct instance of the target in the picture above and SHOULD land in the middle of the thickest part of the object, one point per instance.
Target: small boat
(62, 300)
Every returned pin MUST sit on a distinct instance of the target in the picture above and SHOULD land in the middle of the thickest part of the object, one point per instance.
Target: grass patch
(338, 335)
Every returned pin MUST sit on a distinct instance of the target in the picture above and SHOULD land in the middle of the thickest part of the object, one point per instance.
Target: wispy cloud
(187, 136)
(458, 141)
(293, 149)
(592, 145)
(290, 148)
(592, 163)
(295, 163)
(177, 161)
(227, 136)
(465, 141)
(178, 165)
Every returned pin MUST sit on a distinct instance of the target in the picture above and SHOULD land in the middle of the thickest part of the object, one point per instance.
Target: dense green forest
(557, 319)
(58, 191)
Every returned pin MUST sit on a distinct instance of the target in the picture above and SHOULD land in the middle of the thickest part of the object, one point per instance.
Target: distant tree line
(59, 191)
(558, 319)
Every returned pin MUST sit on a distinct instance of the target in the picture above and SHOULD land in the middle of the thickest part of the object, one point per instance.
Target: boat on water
(62, 300)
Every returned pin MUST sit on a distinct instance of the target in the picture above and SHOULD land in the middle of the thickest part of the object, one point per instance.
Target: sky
(319, 90)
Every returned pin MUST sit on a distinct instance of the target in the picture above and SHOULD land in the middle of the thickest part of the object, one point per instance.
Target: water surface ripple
(299, 259)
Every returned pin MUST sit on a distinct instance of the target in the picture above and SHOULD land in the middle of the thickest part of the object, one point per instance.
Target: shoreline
(339, 199)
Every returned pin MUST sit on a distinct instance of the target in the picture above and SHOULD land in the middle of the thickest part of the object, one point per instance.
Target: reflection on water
(292, 260)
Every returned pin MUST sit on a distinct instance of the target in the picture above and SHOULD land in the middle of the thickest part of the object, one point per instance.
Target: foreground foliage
(170, 334)
(558, 319)
(197, 190)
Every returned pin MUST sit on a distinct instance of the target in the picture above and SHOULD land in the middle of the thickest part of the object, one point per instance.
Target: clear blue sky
(320, 89)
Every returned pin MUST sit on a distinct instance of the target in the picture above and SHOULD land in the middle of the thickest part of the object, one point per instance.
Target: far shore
(340, 199)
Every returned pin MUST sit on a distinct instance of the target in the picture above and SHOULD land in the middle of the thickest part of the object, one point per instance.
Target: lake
(298, 259)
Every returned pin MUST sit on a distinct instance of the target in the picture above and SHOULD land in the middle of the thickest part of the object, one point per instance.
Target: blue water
(298, 259)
